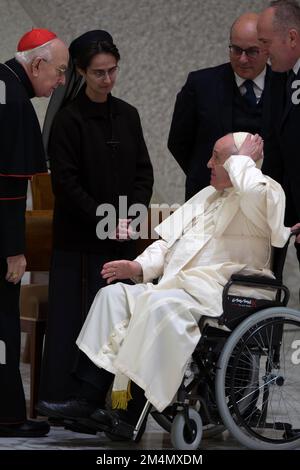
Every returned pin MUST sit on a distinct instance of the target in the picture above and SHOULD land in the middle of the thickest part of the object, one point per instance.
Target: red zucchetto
(35, 38)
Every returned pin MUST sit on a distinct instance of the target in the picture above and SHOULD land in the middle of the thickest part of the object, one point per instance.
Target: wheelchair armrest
(252, 279)
(259, 282)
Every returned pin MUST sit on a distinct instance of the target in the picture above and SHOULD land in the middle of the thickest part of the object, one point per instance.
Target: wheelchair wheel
(181, 438)
(166, 420)
(258, 380)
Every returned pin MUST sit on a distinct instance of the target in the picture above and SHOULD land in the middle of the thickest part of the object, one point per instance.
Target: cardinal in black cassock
(22, 156)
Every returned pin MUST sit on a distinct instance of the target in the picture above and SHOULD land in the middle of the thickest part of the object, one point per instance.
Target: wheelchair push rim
(260, 407)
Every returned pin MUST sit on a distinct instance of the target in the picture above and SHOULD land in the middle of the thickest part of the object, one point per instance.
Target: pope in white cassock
(147, 332)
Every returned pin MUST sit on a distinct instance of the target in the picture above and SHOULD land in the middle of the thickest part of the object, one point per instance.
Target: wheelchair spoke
(262, 384)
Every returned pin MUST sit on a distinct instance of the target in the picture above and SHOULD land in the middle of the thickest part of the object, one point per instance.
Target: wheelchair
(243, 377)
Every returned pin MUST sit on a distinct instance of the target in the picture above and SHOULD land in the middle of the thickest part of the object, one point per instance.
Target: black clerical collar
(19, 71)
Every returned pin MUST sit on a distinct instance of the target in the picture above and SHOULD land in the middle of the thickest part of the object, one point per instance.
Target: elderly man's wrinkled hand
(252, 147)
(122, 269)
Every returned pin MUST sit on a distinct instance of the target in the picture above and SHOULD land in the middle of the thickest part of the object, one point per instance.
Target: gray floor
(61, 439)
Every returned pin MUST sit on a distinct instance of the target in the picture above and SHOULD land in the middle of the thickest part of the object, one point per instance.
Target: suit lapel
(286, 112)
(266, 102)
(225, 98)
(288, 104)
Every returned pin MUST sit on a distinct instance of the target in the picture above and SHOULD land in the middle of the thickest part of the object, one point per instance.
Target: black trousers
(74, 281)
(95, 383)
(12, 399)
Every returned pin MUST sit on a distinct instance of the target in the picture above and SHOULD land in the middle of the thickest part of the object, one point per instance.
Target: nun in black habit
(97, 153)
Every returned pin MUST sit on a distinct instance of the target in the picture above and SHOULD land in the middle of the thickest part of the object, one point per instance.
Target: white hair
(44, 52)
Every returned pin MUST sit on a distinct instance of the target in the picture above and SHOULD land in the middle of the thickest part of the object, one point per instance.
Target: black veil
(74, 81)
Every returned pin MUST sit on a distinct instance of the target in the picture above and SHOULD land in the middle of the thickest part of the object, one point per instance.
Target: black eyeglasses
(251, 52)
(102, 74)
(60, 71)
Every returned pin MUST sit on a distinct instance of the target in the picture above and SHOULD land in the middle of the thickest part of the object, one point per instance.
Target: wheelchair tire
(209, 430)
(273, 423)
(179, 433)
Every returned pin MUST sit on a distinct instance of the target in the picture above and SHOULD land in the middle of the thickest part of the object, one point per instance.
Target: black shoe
(118, 434)
(67, 409)
(77, 426)
(103, 421)
(56, 422)
(28, 429)
(114, 422)
(102, 417)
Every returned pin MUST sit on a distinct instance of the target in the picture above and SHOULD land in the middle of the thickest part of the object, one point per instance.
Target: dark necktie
(249, 96)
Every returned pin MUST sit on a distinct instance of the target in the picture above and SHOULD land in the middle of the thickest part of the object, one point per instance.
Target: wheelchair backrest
(238, 307)
(278, 260)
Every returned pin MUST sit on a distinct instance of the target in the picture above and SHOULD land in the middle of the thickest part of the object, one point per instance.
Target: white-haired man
(148, 332)
(37, 69)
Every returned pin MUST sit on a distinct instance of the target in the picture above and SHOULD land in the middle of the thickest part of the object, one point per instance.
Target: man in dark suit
(279, 35)
(215, 101)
